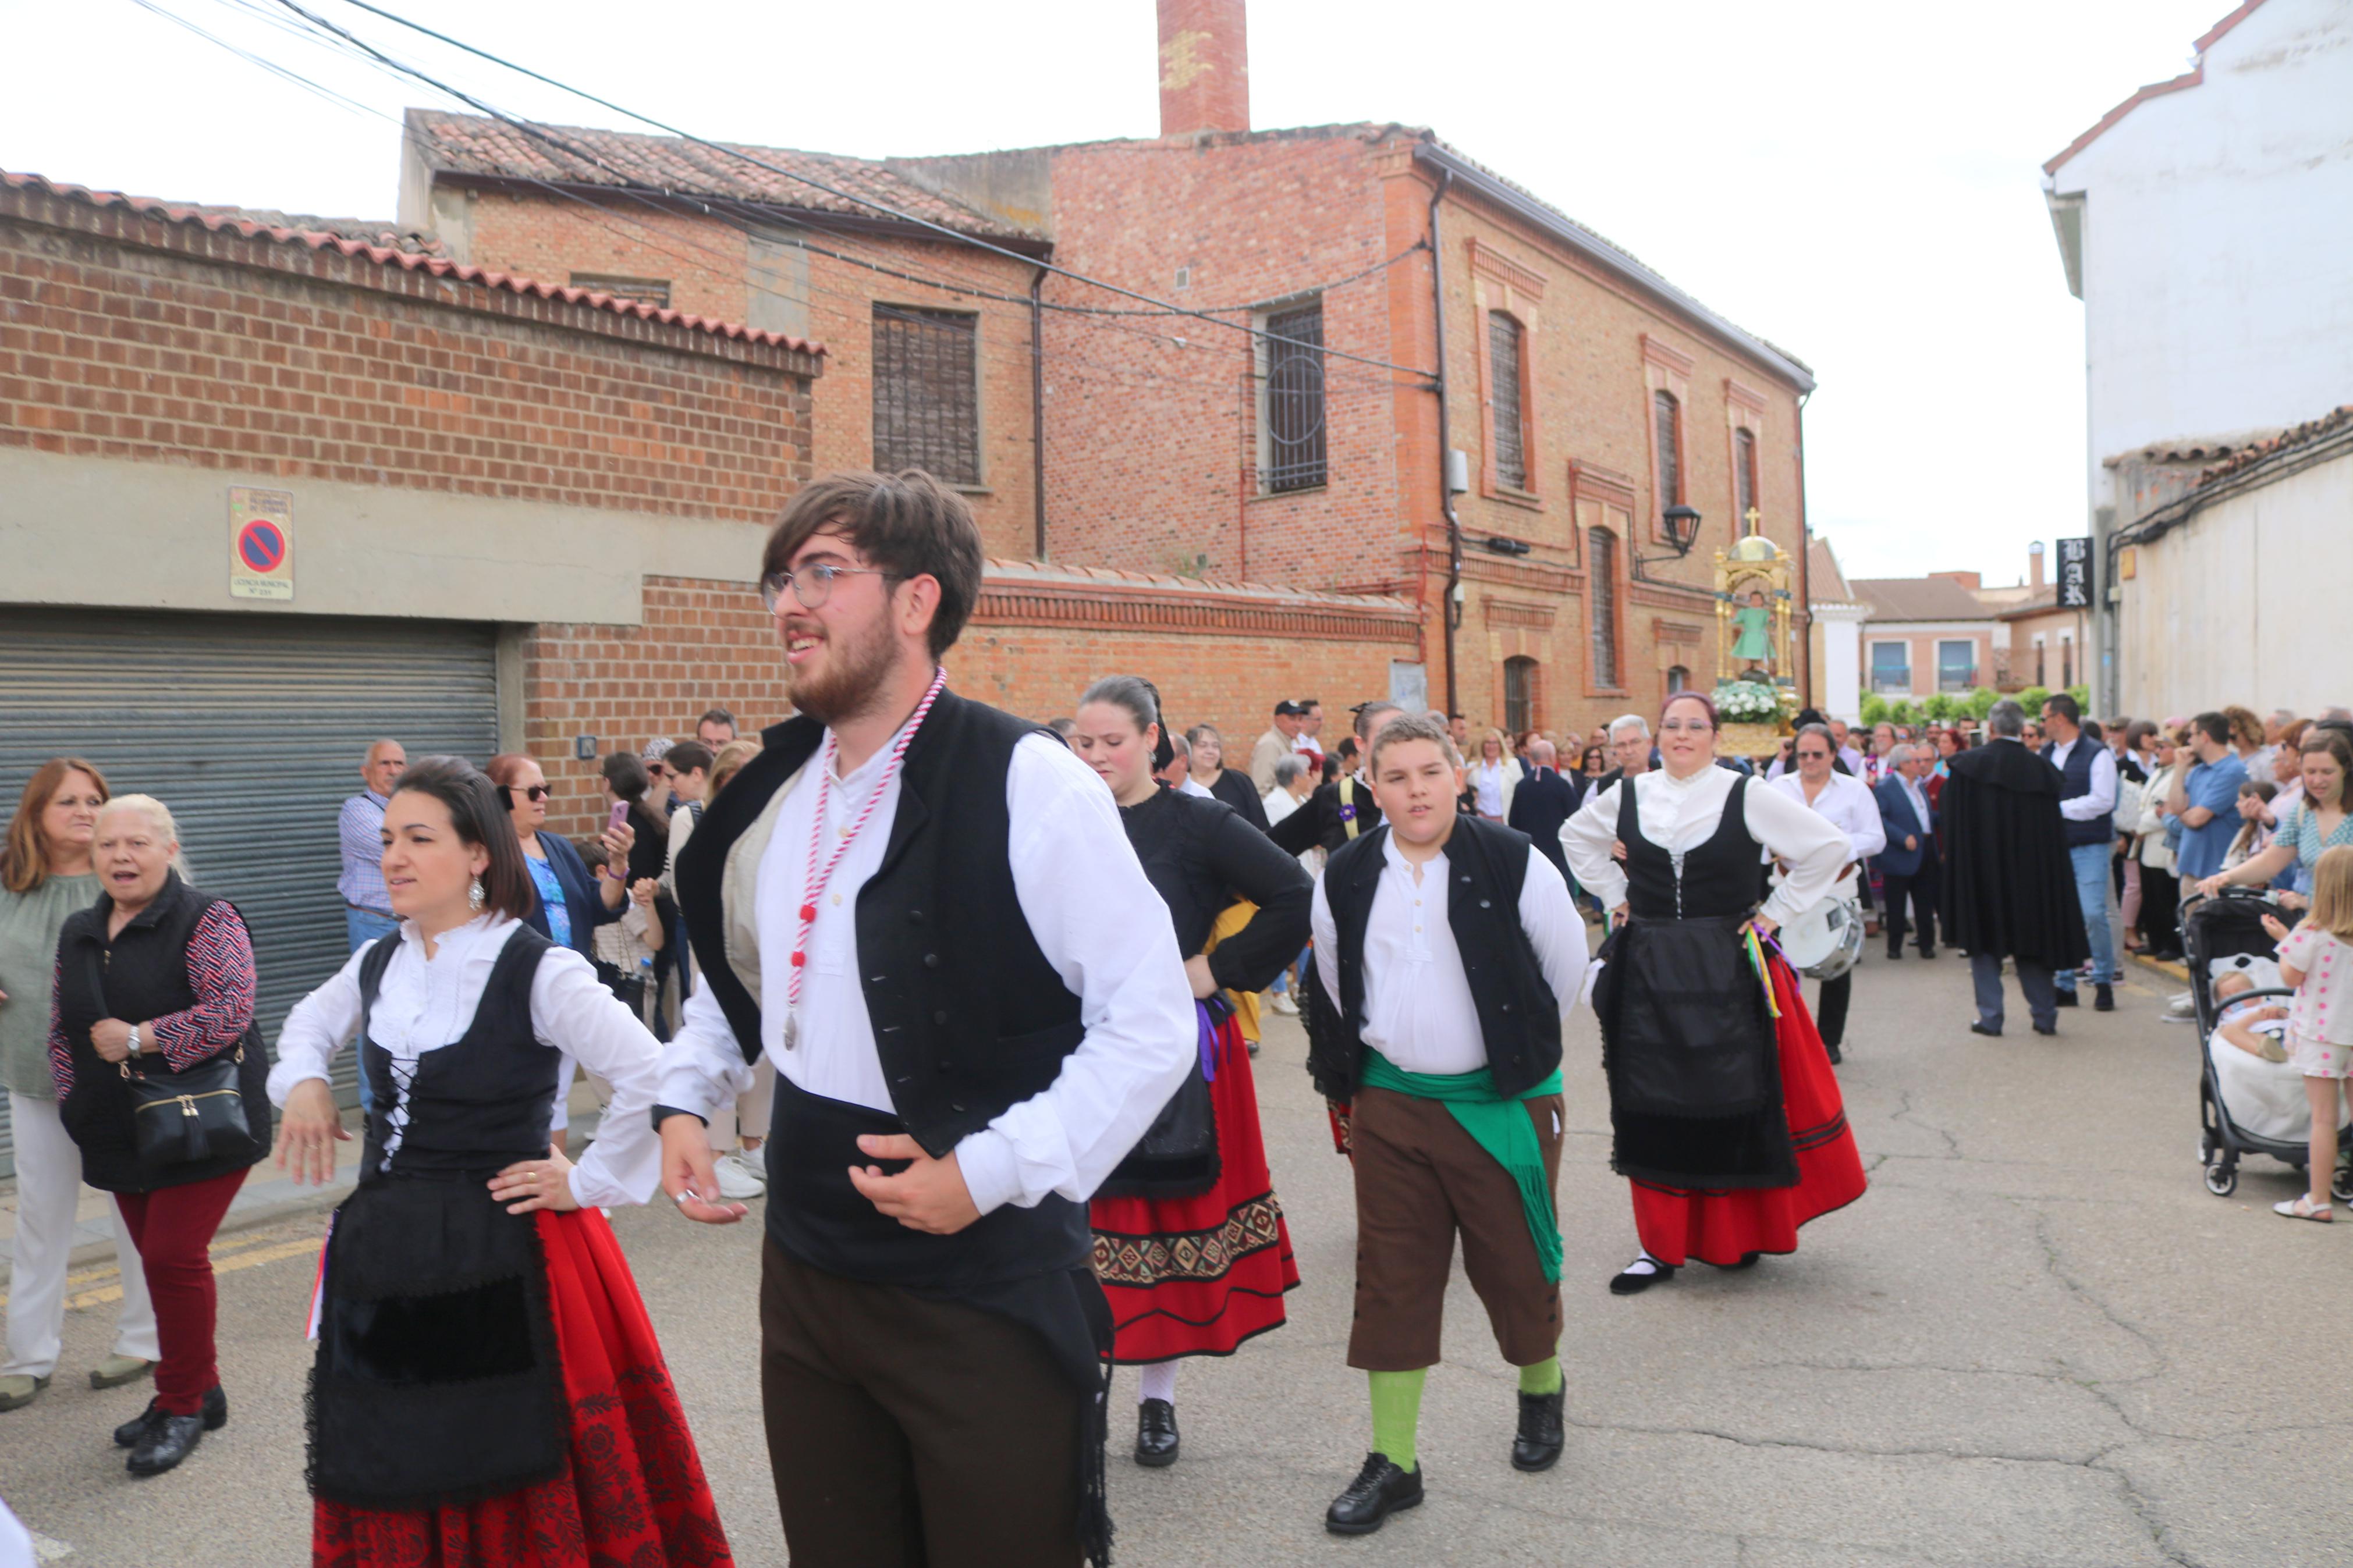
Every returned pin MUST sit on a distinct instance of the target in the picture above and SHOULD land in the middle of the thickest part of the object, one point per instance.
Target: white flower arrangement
(1747, 702)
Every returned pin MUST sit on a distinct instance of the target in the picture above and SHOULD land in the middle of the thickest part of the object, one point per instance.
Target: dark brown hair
(907, 523)
(688, 755)
(25, 861)
(481, 820)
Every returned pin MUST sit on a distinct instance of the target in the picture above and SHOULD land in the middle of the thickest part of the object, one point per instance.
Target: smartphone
(620, 816)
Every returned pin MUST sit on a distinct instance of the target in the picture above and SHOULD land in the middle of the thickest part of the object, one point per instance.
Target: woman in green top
(2319, 821)
(45, 876)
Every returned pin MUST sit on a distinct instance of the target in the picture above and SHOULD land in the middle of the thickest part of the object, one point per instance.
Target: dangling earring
(474, 895)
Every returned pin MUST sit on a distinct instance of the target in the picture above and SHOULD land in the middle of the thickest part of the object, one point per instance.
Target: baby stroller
(2220, 936)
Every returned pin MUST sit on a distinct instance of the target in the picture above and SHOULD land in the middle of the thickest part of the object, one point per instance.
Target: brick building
(1296, 436)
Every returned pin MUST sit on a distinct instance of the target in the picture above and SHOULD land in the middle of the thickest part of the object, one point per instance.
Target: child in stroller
(2248, 1104)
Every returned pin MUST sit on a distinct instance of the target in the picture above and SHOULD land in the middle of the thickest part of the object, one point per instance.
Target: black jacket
(1234, 787)
(2008, 886)
(1321, 819)
(1545, 801)
(580, 895)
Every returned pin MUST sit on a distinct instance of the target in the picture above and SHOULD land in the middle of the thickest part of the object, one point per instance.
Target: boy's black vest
(969, 1018)
(1519, 1017)
(2078, 774)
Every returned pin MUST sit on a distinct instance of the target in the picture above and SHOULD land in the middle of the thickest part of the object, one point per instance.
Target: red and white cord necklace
(814, 879)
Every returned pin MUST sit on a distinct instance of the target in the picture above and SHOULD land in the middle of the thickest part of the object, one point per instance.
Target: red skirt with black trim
(634, 1492)
(1199, 1275)
(1677, 1224)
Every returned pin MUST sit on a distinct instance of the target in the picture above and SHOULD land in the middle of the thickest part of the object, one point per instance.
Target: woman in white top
(1493, 777)
(1726, 1117)
(1847, 804)
(484, 1363)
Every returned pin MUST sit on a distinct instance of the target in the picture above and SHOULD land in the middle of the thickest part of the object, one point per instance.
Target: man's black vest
(1519, 1017)
(2078, 774)
(969, 1018)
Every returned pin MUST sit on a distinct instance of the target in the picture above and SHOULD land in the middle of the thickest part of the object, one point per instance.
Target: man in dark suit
(1908, 867)
(1543, 801)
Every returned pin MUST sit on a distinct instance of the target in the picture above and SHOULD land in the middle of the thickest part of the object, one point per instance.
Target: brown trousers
(911, 1433)
(1420, 1178)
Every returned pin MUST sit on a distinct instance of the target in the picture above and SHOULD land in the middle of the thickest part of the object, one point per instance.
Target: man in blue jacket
(1908, 867)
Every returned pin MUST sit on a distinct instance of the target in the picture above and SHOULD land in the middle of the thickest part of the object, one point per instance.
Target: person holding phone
(573, 900)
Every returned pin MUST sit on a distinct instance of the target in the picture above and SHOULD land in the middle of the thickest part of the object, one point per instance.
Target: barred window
(651, 290)
(1292, 425)
(1519, 695)
(1601, 580)
(1503, 340)
(1665, 414)
(1744, 479)
(926, 392)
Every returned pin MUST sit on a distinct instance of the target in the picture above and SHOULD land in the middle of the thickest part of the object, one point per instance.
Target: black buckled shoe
(1540, 1435)
(2104, 1000)
(1155, 1433)
(215, 1414)
(1379, 1490)
(164, 1445)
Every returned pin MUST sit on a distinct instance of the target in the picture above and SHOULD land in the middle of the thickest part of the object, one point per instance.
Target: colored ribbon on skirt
(1497, 1125)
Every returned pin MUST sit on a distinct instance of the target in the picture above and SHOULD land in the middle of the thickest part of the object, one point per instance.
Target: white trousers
(49, 1185)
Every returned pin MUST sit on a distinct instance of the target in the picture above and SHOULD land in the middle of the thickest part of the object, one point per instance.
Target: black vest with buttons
(2077, 775)
(969, 1018)
(1519, 1017)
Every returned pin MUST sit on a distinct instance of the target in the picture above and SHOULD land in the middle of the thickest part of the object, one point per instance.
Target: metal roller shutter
(251, 729)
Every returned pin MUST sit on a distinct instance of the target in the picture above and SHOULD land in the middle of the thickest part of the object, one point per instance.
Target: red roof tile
(250, 224)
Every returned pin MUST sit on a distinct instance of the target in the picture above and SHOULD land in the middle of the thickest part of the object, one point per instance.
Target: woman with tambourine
(1190, 1244)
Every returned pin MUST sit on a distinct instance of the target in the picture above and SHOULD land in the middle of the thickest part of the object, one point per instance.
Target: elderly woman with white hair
(162, 1083)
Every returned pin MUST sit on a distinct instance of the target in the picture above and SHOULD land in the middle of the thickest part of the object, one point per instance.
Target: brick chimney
(2034, 563)
(1204, 67)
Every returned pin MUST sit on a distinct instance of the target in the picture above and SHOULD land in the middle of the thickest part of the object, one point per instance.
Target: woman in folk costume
(1190, 1247)
(1726, 1117)
(488, 1389)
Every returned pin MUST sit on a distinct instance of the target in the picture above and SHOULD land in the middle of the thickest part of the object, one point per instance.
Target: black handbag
(1178, 1155)
(191, 1117)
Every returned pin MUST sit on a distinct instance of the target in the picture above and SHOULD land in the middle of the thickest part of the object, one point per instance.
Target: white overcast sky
(1858, 182)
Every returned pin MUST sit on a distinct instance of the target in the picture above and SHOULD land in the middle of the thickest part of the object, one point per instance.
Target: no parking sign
(260, 543)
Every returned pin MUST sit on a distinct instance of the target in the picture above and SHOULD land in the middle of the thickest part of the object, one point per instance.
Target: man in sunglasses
(925, 914)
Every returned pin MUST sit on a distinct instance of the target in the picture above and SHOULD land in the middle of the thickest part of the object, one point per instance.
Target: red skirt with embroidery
(1677, 1224)
(1199, 1275)
(634, 1492)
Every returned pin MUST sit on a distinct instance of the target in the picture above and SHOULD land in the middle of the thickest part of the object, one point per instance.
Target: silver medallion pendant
(792, 1029)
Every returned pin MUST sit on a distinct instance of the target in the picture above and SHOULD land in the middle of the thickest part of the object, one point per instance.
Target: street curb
(2180, 971)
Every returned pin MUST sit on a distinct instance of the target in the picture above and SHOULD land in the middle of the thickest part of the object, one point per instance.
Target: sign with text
(2075, 574)
(260, 543)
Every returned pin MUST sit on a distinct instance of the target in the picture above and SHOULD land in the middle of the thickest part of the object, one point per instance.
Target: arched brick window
(1519, 695)
(1744, 477)
(1678, 679)
(1601, 578)
(1667, 414)
(1505, 369)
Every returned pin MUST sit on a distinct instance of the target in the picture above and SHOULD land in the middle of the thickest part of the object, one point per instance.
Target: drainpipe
(1449, 610)
(1038, 404)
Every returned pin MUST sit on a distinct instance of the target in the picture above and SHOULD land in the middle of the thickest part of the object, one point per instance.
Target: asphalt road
(2036, 1340)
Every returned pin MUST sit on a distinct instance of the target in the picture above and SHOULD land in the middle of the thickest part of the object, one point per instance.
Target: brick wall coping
(1049, 593)
(216, 236)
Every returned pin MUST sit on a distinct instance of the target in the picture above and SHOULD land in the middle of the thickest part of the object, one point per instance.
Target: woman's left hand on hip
(529, 1184)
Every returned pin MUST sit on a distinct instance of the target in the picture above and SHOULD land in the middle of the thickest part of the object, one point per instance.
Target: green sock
(1544, 1377)
(1397, 1412)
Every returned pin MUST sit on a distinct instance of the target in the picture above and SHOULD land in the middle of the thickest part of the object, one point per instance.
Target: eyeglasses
(1813, 756)
(813, 584)
(531, 792)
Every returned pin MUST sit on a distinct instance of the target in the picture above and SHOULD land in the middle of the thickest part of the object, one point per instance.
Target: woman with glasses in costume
(1725, 1116)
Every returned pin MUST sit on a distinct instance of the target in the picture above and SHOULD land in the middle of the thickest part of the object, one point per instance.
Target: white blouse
(424, 1004)
(1680, 815)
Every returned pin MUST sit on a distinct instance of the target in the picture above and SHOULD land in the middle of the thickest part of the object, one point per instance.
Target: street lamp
(1682, 533)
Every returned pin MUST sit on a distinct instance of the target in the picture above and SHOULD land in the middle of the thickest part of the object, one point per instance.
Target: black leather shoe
(1538, 1443)
(215, 1414)
(1155, 1433)
(1893, 953)
(1928, 952)
(2067, 999)
(1979, 1027)
(2049, 1028)
(1836, 1056)
(1627, 1282)
(2104, 1000)
(1379, 1490)
(170, 1439)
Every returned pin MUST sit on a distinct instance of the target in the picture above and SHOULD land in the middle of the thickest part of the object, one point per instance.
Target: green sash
(1497, 1125)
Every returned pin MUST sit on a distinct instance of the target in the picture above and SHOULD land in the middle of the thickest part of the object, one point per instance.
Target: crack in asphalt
(1904, 1111)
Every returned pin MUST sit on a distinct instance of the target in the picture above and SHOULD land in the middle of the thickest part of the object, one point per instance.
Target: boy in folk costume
(1446, 948)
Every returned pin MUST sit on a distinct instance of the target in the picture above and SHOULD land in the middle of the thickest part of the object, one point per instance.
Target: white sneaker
(2181, 1006)
(738, 1177)
(1285, 1005)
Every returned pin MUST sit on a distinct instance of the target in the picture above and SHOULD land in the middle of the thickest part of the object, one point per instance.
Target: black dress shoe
(1979, 1027)
(1928, 952)
(1893, 953)
(2104, 1000)
(1835, 1057)
(1379, 1490)
(170, 1439)
(215, 1414)
(2067, 999)
(1155, 1433)
(1627, 1282)
(2049, 1028)
(1538, 1443)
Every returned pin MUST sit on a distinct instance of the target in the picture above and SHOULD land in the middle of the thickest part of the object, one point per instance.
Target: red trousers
(172, 1228)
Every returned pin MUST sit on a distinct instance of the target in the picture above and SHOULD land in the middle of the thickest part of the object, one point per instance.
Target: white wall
(2245, 602)
(2218, 241)
(1840, 690)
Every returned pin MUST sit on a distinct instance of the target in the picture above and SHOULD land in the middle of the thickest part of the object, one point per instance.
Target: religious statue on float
(1756, 685)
